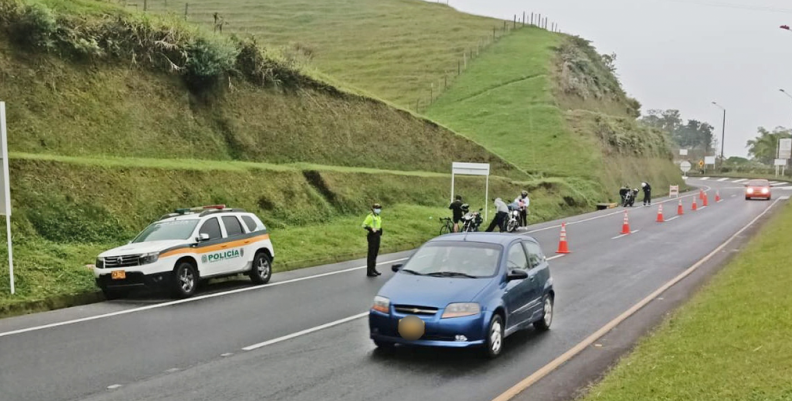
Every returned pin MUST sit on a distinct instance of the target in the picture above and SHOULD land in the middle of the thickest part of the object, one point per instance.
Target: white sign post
(784, 153)
(685, 167)
(683, 152)
(780, 163)
(673, 191)
(5, 197)
(479, 169)
(709, 160)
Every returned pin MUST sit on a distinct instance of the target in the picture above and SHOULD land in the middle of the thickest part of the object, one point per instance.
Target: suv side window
(535, 255)
(212, 228)
(232, 226)
(517, 259)
(251, 224)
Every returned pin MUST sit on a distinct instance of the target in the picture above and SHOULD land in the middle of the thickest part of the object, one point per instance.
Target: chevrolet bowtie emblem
(415, 310)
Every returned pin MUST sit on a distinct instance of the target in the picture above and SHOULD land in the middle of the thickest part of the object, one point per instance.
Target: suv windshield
(455, 259)
(167, 230)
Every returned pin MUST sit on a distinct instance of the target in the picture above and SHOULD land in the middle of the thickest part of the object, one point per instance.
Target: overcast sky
(685, 54)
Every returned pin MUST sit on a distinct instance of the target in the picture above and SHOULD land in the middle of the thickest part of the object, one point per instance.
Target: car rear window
(232, 225)
(251, 224)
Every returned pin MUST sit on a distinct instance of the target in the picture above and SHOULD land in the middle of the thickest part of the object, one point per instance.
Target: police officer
(373, 224)
(647, 190)
(523, 202)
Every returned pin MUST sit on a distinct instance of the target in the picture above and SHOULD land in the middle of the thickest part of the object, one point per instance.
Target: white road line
(722, 179)
(227, 354)
(614, 213)
(556, 256)
(672, 218)
(704, 178)
(624, 235)
(553, 365)
(172, 370)
(740, 180)
(733, 196)
(304, 332)
(113, 386)
(182, 301)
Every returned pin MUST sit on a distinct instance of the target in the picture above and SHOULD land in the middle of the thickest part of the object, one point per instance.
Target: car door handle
(532, 277)
(224, 246)
(247, 242)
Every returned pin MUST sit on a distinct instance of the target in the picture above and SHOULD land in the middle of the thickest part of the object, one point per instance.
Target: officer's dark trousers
(373, 251)
(499, 221)
(647, 197)
(524, 218)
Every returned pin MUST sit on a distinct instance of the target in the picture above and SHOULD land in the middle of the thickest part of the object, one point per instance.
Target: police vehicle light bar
(218, 207)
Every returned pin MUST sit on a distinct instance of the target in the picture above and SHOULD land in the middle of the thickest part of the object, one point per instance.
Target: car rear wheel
(494, 343)
(261, 271)
(547, 316)
(185, 280)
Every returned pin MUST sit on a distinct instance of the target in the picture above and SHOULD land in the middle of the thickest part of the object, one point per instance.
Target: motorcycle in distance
(514, 219)
(629, 198)
(471, 221)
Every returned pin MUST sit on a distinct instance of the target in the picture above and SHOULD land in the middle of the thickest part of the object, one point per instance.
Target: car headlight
(461, 310)
(765, 190)
(99, 263)
(381, 304)
(749, 190)
(149, 258)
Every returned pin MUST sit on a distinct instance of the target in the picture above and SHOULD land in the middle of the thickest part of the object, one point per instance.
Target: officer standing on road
(456, 209)
(523, 202)
(502, 213)
(373, 224)
(647, 190)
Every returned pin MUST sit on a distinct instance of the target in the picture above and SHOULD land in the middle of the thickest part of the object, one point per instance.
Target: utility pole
(723, 130)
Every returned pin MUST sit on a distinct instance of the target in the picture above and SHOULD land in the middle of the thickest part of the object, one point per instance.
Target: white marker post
(5, 197)
(479, 169)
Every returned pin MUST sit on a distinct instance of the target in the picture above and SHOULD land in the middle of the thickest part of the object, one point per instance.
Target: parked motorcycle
(471, 221)
(514, 220)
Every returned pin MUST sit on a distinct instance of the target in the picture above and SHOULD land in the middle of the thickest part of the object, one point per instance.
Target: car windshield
(167, 230)
(455, 259)
(758, 183)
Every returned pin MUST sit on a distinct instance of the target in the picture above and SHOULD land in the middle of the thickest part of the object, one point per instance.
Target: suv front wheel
(185, 280)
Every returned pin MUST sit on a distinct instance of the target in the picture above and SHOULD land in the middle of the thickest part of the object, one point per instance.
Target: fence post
(445, 82)
(145, 5)
(459, 67)
(514, 24)
(186, 8)
(523, 18)
(493, 33)
(504, 26)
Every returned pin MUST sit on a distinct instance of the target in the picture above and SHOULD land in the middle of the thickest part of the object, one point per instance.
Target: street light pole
(723, 130)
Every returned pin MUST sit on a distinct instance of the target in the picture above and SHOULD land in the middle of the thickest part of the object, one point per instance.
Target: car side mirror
(517, 275)
(203, 237)
(396, 268)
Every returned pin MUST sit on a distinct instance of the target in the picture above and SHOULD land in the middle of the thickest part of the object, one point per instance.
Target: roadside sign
(701, 163)
(674, 191)
(5, 197)
(684, 166)
(785, 148)
(683, 152)
(780, 162)
(480, 169)
(709, 160)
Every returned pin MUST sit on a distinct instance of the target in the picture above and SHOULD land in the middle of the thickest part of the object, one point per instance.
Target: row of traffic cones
(563, 245)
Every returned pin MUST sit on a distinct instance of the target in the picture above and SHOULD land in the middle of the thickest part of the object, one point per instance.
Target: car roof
(758, 180)
(490, 238)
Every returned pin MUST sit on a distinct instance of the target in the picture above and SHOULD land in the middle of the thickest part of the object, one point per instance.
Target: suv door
(234, 247)
(518, 292)
(209, 264)
(538, 274)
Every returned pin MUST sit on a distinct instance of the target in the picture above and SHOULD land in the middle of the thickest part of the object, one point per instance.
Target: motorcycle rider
(501, 215)
(623, 193)
(523, 202)
(456, 209)
(647, 190)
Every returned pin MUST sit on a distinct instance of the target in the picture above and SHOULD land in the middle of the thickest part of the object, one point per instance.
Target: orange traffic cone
(626, 225)
(562, 244)
(717, 196)
(694, 205)
(680, 208)
(701, 194)
(706, 201)
(660, 218)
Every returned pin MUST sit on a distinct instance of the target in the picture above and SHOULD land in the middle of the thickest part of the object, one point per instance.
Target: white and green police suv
(185, 247)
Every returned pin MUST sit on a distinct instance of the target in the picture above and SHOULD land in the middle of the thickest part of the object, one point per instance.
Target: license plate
(411, 327)
(118, 275)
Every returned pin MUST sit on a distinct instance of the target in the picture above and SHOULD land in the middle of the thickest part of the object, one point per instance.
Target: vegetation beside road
(731, 342)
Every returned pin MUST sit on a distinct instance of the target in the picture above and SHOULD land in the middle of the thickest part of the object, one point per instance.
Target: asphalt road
(195, 350)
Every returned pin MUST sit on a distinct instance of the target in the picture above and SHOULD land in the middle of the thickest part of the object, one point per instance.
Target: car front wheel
(185, 280)
(494, 343)
(547, 316)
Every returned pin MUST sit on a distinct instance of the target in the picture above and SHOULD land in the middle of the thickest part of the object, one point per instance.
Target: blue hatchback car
(464, 290)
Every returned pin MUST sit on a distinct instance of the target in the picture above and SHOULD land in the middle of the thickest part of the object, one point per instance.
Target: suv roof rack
(224, 210)
(203, 210)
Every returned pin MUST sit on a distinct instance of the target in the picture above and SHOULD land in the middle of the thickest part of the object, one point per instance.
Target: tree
(763, 148)
(610, 62)
(666, 120)
(693, 134)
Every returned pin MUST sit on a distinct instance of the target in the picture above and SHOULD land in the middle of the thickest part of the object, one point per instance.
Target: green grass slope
(546, 103)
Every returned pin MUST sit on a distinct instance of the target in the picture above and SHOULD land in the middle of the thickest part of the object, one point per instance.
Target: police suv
(186, 247)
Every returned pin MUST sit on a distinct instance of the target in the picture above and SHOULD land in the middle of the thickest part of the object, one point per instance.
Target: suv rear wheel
(261, 271)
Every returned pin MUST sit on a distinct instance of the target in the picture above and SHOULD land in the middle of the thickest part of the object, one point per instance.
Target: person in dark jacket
(647, 190)
(456, 210)
(373, 224)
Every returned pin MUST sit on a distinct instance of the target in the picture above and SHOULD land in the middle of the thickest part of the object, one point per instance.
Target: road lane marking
(615, 213)
(672, 218)
(556, 257)
(722, 179)
(554, 364)
(741, 180)
(624, 235)
(704, 178)
(733, 196)
(113, 386)
(304, 332)
(182, 301)
(227, 354)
